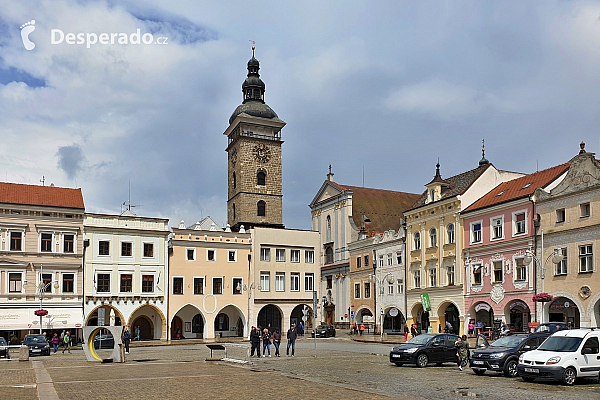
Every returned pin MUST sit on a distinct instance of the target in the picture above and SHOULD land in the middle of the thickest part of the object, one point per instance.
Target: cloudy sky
(384, 86)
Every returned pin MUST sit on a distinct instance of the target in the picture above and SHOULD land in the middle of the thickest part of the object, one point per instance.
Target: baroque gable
(583, 173)
(327, 191)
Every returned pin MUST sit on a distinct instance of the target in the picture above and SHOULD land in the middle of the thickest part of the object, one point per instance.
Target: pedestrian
(462, 351)
(505, 329)
(355, 328)
(479, 327)
(55, 342)
(291, 337)
(440, 328)
(269, 329)
(471, 327)
(362, 328)
(126, 337)
(277, 342)
(255, 341)
(62, 338)
(67, 342)
(178, 333)
(137, 333)
(405, 333)
(266, 337)
(448, 327)
(301, 326)
(413, 330)
(569, 325)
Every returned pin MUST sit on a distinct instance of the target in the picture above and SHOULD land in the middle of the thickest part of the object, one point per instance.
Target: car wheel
(569, 376)
(510, 369)
(422, 360)
(527, 378)
(479, 371)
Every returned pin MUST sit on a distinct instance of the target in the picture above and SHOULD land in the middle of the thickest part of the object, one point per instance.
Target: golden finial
(483, 148)
(582, 147)
(253, 46)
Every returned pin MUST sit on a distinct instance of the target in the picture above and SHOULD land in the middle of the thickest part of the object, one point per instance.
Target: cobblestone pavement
(342, 369)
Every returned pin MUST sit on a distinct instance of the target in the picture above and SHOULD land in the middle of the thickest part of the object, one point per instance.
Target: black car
(37, 345)
(104, 342)
(4, 348)
(324, 331)
(425, 349)
(551, 327)
(502, 355)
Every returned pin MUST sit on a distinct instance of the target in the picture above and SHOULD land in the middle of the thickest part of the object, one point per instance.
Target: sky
(380, 87)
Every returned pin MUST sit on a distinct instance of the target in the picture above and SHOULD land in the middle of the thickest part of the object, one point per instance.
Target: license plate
(477, 362)
(532, 370)
(395, 355)
(36, 350)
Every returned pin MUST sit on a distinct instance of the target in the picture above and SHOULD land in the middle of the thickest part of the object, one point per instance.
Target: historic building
(569, 224)
(498, 230)
(339, 212)
(126, 269)
(209, 271)
(41, 252)
(434, 237)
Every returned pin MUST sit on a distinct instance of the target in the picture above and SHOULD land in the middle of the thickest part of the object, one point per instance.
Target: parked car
(502, 355)
(104, 342)
(425, 349)
(4, 348)
(551, 327)
(564, 356)
(324, 331)
(37, 345)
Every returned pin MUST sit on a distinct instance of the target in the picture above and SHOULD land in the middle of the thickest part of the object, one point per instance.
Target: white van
(564, 356)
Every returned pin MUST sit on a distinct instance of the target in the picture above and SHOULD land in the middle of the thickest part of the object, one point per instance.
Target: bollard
(23, 353)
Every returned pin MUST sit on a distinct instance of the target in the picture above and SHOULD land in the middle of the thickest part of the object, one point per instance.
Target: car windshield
(2, 341)
(548, 328)
(561, 344)
(35, 339)
(420, 339)
(509, 341)
(322, 327)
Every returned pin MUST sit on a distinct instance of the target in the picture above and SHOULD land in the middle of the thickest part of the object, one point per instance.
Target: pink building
(498, 229)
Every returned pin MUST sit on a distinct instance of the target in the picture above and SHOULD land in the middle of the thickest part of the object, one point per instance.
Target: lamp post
(556, 257)
(41, 290)
(379, 282)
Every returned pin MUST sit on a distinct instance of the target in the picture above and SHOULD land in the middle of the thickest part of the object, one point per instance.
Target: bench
(216, 347)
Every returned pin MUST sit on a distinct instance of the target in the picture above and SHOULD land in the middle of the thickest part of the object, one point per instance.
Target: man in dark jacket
(291, 337)
(255, 341)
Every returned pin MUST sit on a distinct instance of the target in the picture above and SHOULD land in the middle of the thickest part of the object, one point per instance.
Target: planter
(41, 313)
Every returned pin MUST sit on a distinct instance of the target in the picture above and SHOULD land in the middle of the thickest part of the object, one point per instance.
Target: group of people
(356, 328)
(270, 336)
(65, 340)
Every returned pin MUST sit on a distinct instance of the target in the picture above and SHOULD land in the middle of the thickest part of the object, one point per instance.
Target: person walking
(67, 342)
(355, 328)
(55, 342)
(137, 333)
(471, 327)
(266, 342)
(462, 351)
(62, 338)
(291, 337)
(413, 330)
(277, 342)
(362, 328)
(405, 333)
(255, 342)
(126, 337)
(448, 327)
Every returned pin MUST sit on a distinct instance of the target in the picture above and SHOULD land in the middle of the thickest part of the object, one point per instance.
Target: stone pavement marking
(45, 387)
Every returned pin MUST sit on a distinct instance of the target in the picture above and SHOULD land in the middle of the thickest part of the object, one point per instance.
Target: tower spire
(483, 160)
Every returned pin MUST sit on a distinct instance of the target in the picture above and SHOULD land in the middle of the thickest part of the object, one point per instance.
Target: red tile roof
(518, 188)
(16, 193)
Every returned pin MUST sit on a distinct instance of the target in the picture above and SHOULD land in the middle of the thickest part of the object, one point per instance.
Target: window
(14, 282)
(586, 263)
(592, 344)
(357, 290)
(148, 249)
(265, 254)
(328, 255)
(210, 255)
(47, 281)
(68, 242)
(16, 241)
(358, 261)
(417, 278)
(390, 259)
(126, 249)
(309, 256)
(521, 270)
(261, 208)
(380, 260)
(198, 285)
(261, 177)
(432, 277)
(295, 256)
(432, 237)
(295, 282)
(280, 255)
(231, 256)
(237, 285)
(279, 281)
(265, 279)
(477, 275)
(367, 290)
(399, 258)
(560, 215)
(46, 242)
(178, 285)
(519, 223)
(147, 283)
(103, 248)
(309, 282)
(450, 233)
(476, 232)
(217, 286)
(450, 275)
(400, 285)
(417, 240)
(329, 282)
(126, 285)
(584, 210)
(498, 273)
(561, 267)
(68, 283)
(233, 209)
(432, 195)
(497, 228)
(366, 260)
(234, 180)
(103, 283)
(191, 254)
(328, 229)
(390, 288)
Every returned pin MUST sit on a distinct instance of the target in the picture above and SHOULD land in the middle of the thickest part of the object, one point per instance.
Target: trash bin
(23, 353)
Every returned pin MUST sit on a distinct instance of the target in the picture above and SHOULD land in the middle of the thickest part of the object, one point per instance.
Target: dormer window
(432, 195)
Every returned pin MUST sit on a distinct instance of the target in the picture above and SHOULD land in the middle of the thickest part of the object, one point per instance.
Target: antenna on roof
(43, 180)
(363, 176)
(127, 203)
(537, 166)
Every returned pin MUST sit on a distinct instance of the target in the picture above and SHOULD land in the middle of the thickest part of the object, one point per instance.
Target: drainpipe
(86, 244)
(536, 225)
(404, 256)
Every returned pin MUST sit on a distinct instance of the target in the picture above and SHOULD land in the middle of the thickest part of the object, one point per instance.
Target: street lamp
(373, 278)
(41, 290)
(556, 257)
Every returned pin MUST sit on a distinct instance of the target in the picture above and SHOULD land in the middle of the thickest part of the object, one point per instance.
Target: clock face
(261, 153)
(233, 156)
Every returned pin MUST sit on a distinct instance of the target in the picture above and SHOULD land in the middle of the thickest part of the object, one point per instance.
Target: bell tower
(254, 151)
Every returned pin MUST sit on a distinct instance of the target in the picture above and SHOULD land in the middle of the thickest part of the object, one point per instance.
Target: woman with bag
(266, 342)
(277, 342)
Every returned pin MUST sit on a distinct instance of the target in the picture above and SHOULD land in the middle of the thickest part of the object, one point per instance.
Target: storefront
(564, 310)
(484, 314)
(22, 321)
(519, 316)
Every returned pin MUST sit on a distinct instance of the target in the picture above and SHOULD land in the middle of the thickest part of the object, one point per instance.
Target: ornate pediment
(583, 173)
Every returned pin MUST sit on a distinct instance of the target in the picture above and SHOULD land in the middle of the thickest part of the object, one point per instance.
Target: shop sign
(482, 306)
(562, 304)
(425, 301)
(519, 303)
